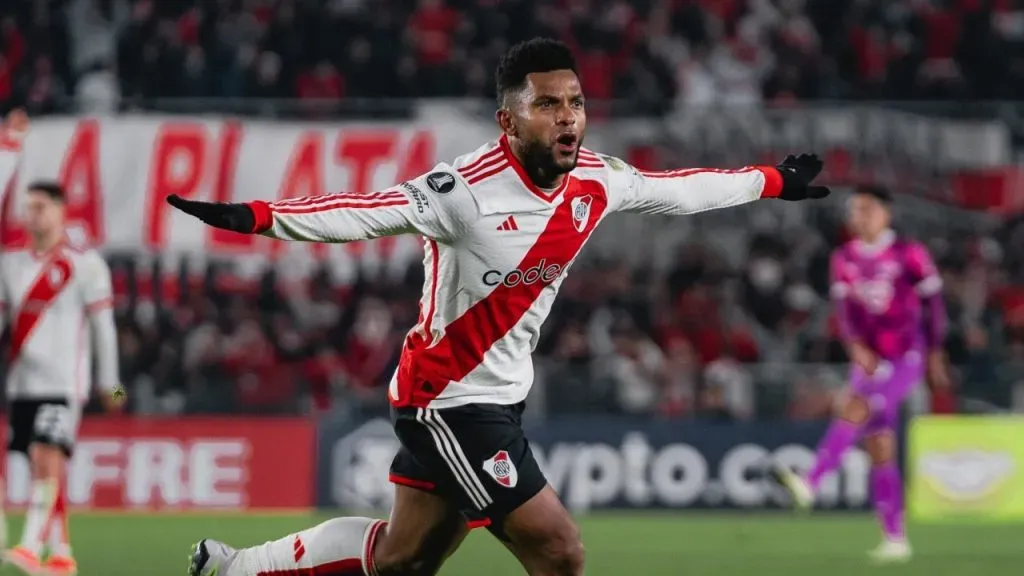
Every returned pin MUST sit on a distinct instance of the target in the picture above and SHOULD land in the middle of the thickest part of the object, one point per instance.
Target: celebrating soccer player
(501, 227)
(12, 135)
(888, 301)
(56, 300)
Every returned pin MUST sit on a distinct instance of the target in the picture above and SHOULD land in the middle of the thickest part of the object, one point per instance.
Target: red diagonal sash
(55, 275)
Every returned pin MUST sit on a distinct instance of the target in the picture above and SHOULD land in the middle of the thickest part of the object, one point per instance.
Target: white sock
(58, 541)
(337, 547)
(40, 509)
(3, 527)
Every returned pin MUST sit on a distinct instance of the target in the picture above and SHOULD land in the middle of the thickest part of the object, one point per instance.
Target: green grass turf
(617, 545)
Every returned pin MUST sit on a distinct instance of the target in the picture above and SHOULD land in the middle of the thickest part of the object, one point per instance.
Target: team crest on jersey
(441, 182)
(501, 468)
(581, 212)
(55, 275)
(889, 269)
(876, 295)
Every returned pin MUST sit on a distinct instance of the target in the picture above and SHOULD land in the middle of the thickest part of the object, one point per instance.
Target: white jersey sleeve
(97, 297)
(437, 205)
(687, 191)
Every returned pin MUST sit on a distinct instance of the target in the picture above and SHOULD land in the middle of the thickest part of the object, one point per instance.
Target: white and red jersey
(58, 307)
(497, 249)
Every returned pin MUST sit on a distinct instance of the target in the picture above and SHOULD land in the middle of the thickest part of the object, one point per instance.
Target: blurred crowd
(700, 338)
(653, 54)
(708, 336)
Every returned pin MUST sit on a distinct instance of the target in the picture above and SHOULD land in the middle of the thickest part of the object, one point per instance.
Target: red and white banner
(185, 464)
(118, 171)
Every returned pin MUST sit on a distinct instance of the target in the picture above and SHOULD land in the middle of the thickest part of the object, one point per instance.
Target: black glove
(797, 174)
(235, 217)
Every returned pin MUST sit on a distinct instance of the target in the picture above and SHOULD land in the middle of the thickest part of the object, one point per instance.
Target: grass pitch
(617, 545)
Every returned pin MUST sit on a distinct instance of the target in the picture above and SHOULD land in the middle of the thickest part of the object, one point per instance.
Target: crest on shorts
(501, 468)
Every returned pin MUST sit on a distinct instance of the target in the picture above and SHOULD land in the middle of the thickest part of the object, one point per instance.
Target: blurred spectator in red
(6, 85)
(324, 373)
(12, 42)
(595, 80)
(682, 379)
(321, 83)
(433, 26)
(368, 352)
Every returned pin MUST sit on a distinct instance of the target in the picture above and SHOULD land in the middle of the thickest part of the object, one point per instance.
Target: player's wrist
(796, 173)
(773, 181)
(262, 216)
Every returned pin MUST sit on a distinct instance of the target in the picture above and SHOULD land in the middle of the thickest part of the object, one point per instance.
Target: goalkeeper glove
(797, 173)
(234, 217)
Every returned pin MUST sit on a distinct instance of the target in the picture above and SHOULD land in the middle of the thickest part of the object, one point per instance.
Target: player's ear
(506, 122)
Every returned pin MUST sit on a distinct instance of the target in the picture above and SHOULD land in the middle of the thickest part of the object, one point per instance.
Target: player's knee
(570, 559)
(564, 555)
(881, 447)
(47, 461)
(855, 409)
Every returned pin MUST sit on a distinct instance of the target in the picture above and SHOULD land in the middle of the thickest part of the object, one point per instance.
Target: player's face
(45, 215)
(549, 120)
(869, 216)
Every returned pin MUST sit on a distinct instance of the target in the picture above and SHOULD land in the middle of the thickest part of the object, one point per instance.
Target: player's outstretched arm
(688, 191)
(437, 205)
(12, 133)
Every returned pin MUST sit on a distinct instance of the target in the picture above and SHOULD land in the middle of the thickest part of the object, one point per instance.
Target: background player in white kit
(56, 301)
(501, 228)
(12, 135)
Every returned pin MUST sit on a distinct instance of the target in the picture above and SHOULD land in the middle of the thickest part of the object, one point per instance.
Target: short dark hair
(51, 189)
(880, 193)
(531, 56)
